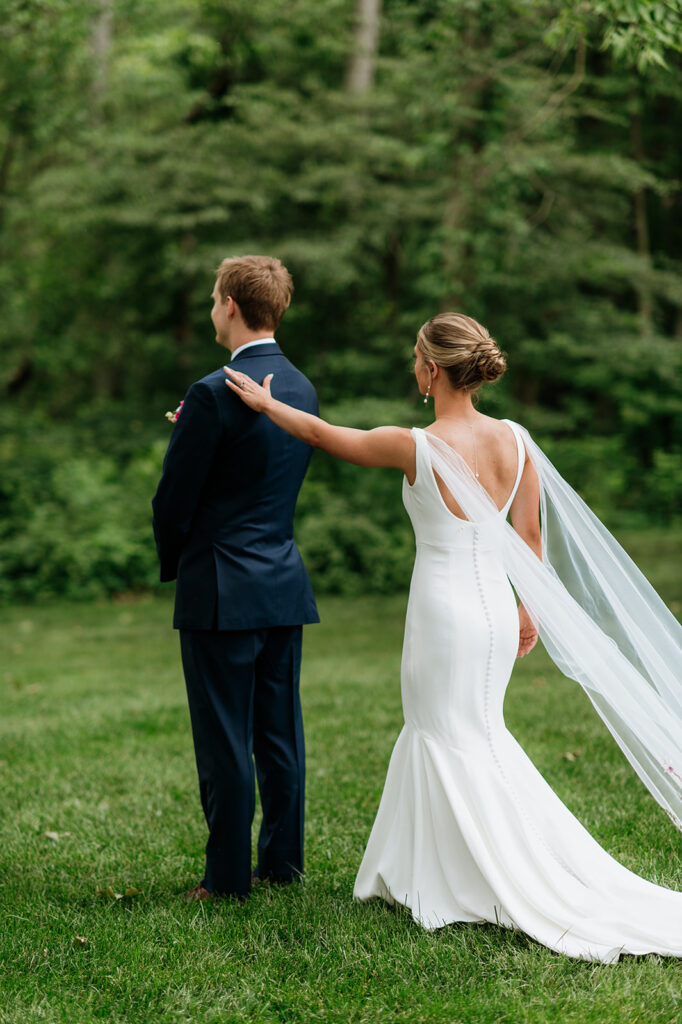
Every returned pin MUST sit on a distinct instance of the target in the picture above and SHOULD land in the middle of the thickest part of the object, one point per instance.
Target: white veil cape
(599, 618)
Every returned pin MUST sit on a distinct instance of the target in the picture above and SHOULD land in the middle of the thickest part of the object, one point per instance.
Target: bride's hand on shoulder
(528, 634)
(256, 396)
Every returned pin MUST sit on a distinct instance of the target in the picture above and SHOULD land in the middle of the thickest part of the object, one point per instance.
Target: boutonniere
(172, 417)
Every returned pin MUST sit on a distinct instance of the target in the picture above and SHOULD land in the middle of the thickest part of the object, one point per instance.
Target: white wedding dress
(467, 828)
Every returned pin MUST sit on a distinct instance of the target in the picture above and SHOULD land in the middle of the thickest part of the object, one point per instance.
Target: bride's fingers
(248, 399)
(527, 641)
(238, 381)
(251, 393)
(233, 376)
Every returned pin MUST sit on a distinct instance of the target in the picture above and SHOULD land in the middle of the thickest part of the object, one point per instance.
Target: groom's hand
(528, 634)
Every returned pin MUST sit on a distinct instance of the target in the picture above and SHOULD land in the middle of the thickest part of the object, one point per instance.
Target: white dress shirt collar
(248, 344)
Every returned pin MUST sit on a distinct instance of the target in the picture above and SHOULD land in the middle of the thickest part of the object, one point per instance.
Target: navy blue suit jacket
(224, 508)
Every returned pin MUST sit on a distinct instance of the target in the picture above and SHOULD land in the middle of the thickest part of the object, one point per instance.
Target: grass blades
(99, 798)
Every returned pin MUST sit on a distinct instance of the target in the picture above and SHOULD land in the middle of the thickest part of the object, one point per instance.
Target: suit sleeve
(185, 469)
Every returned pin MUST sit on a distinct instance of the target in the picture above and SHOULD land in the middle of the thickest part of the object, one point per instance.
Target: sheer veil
(599, 618)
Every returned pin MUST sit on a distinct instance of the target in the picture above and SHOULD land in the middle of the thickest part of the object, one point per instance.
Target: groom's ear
(233, 309)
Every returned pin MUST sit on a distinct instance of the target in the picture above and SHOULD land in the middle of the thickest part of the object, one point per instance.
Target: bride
(467, 829)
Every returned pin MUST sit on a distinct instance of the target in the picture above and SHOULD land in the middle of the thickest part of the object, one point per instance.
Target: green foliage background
(516, 160)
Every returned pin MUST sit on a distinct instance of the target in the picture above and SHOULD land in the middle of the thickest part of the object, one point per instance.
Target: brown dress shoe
(198, 893)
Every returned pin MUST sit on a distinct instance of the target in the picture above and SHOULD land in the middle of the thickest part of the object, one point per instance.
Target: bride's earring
(426, 396)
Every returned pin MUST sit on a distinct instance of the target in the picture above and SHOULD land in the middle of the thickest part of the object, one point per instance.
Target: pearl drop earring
(428, 392)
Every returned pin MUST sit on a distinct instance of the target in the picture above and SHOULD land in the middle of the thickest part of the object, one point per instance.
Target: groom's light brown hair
(260, 285)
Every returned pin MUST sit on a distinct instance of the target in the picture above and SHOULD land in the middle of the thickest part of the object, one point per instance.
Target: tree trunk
(362, 62)
(102, 35)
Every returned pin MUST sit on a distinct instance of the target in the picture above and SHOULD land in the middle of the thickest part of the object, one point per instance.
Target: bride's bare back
(488, 445)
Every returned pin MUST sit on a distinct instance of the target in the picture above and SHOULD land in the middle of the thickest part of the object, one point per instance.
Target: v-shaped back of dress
(432, 520)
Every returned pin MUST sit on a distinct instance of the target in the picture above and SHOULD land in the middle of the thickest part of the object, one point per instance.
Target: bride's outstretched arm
(383, 446)
(525, 509)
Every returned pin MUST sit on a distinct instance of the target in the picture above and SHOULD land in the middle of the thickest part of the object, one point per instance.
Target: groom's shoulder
(209, 394)
(301, 383)
(214, 382)
(213, 379)
(299, 374)
(257, 365)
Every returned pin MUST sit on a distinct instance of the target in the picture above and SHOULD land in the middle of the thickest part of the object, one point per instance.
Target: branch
(557, 98)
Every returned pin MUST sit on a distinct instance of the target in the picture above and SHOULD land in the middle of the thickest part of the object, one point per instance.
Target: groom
(223, 523)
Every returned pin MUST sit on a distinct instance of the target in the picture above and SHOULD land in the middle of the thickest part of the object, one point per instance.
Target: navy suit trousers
(243, 692)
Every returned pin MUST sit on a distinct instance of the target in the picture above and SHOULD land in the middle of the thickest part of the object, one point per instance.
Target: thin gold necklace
(473, 435)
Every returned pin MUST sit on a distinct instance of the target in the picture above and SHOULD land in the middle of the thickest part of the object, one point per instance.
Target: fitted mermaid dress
(467, 829)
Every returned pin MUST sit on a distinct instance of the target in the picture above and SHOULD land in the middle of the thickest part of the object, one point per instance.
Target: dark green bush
(75, 513)
(73, 522)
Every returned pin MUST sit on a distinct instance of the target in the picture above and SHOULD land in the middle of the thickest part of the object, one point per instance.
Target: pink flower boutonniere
(172, 417)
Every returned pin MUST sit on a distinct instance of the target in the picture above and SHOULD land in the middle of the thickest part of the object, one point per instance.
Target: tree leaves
(491, 167)
(640, 33)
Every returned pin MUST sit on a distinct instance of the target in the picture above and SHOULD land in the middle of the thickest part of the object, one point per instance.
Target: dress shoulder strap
(422, 454)
(521, 451)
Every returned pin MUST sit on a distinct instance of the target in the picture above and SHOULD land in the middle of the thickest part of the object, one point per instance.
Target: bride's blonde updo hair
(463, 348)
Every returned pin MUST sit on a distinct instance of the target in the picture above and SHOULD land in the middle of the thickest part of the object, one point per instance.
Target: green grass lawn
(99, 793)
